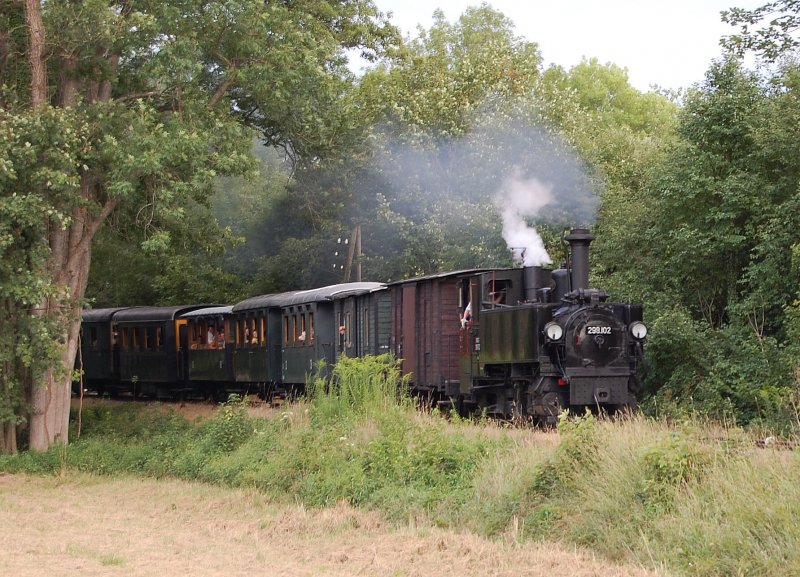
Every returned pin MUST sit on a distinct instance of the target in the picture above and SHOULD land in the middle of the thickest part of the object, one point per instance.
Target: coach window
(294, 330)
(246, 332)
(92, 335)
(311, 328)
(152, 339)
(348, 330)
(285, 331)
(301, 330)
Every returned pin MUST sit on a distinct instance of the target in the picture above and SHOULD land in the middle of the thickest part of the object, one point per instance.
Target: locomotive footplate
(603, 389)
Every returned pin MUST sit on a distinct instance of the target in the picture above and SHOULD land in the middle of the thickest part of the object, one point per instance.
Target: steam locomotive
(519, 342)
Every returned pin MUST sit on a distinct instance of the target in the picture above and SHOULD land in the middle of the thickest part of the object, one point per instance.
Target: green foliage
(669, 466)
(690, 499)
(229, 428)
(35, 151)
(556, 476)
(777, 36)
(412, 467)
(360, 387)
(139, 109)
(130, 422)
(706, 229)
(575, 455)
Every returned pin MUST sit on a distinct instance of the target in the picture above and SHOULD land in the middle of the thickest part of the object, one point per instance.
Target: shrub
(669, 465)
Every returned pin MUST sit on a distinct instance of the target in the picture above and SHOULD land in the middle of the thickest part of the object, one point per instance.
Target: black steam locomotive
(543, 341)
(523, 342)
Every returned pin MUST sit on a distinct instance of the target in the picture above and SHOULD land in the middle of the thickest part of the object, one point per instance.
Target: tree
(716, 228)
(777, 36)
(132, 108)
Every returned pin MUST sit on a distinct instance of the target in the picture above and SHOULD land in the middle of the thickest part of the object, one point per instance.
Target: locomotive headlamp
(553, 331)
(638, 330)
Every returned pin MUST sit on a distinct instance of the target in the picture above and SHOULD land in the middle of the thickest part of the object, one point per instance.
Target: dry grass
(81, 525)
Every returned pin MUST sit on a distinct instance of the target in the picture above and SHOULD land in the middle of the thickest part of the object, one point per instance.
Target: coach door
(347, 328)
(183, 347)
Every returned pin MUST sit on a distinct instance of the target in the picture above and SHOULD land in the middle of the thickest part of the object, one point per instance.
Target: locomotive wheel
(552, 404)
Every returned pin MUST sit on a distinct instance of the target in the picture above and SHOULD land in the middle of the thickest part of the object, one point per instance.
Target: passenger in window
(211, 337)
(302, 338)
(221, 339)
(467, 316)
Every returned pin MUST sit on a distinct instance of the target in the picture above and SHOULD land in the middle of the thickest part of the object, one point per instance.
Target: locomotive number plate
(598, 330)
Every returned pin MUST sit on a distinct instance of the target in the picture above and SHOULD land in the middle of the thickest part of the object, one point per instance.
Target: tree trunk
(8, 433)
(71, 250)
(49, 422)
(33, 19)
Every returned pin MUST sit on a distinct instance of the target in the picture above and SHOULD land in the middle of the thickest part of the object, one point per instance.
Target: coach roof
(438, 275)
(327, 293)
(261, 302)
(208, 312)
(100, 315)
(333, 292)
(155, 314)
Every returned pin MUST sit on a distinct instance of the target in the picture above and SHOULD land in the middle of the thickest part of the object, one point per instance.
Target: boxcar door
(469, 341)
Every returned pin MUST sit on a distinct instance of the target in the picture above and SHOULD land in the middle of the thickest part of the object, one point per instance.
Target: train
(526, 342)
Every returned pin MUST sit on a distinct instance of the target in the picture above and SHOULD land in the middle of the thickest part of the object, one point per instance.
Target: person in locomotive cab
(497, 292)
(467, 316)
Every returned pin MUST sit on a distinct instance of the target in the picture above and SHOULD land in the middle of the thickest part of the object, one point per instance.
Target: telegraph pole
(353, 254)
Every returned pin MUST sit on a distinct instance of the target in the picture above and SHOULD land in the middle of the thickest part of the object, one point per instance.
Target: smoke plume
(517, 199)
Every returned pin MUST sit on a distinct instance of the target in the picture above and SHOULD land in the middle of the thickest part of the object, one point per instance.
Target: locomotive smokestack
(579, 240)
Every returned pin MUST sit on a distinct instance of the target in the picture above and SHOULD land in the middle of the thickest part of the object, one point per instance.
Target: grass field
(692, 497)
(97, 526)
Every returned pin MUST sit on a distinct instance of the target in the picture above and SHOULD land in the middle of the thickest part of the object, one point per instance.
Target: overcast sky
(669, 43)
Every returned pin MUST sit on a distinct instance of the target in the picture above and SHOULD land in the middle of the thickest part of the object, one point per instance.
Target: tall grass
(694, 497)
(360, 387)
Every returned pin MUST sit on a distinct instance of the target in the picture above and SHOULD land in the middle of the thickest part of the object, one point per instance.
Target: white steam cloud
(517, 199)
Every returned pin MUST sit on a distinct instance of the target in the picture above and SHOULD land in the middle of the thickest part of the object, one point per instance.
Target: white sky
(669, 43)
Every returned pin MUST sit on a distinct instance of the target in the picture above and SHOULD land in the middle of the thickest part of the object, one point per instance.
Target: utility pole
(354, 254)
